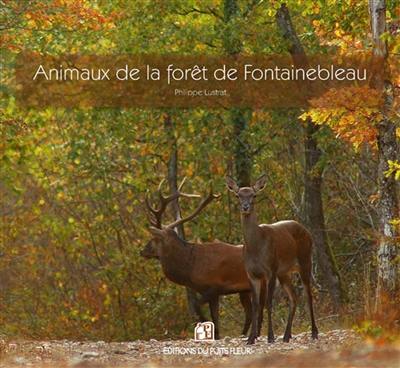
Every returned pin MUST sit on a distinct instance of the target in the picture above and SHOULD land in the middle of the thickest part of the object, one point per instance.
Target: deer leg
(214, 311)
(287, 285)
(305, 275)
(197, 307)
(270, 295)
(255, 307)
(263, 292)
(245, 300)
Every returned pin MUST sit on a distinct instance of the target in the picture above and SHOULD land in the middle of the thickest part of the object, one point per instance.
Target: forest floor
(337, 348)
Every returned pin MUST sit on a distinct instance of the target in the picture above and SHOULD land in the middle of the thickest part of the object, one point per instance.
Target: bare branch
(209, 11)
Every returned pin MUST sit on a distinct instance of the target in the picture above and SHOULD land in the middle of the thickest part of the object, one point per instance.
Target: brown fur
(212, 269)
(270, 252)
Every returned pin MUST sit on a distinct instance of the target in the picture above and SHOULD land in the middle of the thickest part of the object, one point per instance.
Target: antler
(155, 214)
(211, 196)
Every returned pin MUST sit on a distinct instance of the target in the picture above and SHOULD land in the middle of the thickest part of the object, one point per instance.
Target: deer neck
(176, 261)
(251, 230)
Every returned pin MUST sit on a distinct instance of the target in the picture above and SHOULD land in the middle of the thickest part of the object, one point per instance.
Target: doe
(273, 251)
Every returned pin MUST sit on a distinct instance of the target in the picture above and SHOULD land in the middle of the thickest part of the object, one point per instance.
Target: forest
(74, 181)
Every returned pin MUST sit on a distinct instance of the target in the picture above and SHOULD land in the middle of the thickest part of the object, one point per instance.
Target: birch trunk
(388, 268)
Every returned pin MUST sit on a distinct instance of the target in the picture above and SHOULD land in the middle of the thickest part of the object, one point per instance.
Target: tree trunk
(241, 154)
(388, 268)
(173, 172)
(314, 212)
(313, 175)
(176, 211)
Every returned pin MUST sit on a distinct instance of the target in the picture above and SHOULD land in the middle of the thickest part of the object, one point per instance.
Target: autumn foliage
(72, 181)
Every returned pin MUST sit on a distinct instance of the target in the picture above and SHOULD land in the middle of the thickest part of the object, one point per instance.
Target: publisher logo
(204, 331)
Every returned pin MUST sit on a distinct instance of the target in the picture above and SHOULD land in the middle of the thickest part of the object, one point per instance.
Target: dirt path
(338, 348)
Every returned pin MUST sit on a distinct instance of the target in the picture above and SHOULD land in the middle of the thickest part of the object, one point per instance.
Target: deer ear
(231, 184)
(260, 183)
(157, 233)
